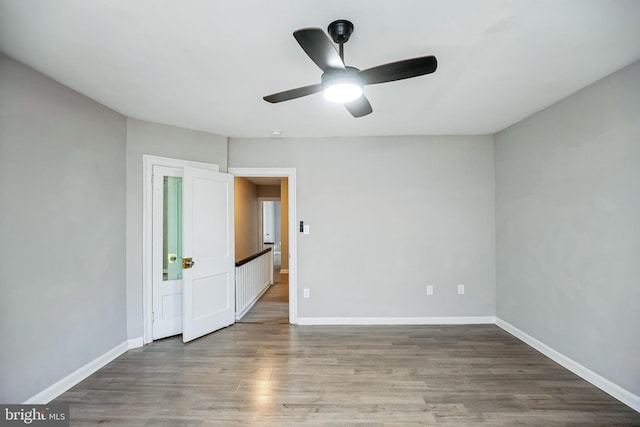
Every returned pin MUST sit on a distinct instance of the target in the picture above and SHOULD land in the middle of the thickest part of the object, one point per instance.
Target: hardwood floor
(283, 375)
(273, 306)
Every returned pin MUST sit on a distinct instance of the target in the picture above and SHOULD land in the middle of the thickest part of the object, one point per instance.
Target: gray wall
(62, 222)
(165, 141)
(568, 226)
(388, 216)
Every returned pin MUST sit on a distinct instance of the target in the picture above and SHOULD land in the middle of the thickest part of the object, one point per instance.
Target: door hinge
(153, 316)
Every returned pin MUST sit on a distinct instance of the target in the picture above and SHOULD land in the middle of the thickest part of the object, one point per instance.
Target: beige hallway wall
(246, 218)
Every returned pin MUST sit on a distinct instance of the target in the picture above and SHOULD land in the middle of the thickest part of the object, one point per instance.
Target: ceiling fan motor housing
(349, 73)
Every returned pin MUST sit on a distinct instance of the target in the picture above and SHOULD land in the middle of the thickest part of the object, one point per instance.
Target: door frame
(290, 174)
(148, 162)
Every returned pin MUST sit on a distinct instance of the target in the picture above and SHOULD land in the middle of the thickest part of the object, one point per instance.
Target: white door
(167, 248)
(208, 301)
(268, 224)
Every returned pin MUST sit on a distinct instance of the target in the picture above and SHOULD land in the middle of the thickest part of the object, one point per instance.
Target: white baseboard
(55, 390)
(585, 373)
(135, 343)
(469, 320)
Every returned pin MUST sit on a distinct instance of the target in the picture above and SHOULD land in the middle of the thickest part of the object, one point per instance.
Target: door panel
(172, 306)
(208, 287)
(167, 248)
(212, 295)
(212, 206)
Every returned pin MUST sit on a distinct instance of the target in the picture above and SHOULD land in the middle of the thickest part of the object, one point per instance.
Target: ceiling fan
(341, 83)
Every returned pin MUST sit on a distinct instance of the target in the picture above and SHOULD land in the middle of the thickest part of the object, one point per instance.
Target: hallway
(273, 306)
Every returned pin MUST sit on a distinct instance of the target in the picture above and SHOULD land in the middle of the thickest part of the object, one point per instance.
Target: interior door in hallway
(208, 243)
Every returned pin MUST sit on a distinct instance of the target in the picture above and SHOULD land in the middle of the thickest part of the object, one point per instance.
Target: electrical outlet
(305, 293)
(460, 289)
(429, 290)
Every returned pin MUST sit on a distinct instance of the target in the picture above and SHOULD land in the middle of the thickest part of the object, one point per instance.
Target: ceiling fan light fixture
(342, 89)
(343, 84)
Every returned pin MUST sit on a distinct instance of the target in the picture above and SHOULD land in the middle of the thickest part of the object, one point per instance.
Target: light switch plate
(429, 290)
(307, 229)
(460, 289)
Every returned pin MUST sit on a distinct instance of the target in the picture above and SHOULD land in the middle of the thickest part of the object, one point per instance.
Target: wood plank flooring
(273, 306)
(283, 375)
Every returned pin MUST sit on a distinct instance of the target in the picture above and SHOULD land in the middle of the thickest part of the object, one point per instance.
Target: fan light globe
(342, 92)
(341, 88)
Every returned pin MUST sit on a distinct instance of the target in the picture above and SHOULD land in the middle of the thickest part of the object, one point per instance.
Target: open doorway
(259, 240)
(265, 218)
(154, 250)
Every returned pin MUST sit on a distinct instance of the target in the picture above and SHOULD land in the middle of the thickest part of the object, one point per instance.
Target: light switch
(307, 229)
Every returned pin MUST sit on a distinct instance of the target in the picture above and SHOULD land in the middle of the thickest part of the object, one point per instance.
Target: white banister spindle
(252, 280)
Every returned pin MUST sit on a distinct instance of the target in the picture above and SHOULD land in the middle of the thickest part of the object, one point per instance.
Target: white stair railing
(254, 275)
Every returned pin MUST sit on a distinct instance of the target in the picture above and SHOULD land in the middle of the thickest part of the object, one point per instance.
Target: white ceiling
(206, 64)
(260, 180)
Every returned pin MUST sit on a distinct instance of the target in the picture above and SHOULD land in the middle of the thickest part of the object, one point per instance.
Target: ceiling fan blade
(360, 107)
(399, 70)
(319, 48)
(293, 93)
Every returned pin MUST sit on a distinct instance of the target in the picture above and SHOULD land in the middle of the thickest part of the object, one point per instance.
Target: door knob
(187, 263)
